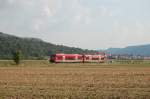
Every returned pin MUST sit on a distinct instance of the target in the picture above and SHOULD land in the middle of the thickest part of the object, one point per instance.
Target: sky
(88, 24)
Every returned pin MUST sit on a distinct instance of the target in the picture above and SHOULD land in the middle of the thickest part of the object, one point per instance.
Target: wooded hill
(142, 50)
(33, 48)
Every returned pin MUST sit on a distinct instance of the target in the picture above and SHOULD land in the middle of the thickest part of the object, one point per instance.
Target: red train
(77, 58)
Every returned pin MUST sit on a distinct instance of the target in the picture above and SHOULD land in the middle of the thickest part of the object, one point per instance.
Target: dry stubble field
(40, 80)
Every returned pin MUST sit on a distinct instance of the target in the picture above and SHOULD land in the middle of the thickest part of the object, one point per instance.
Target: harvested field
(74, 81)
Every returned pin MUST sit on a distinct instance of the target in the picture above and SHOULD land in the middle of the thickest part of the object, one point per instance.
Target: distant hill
(32, 48)
(143, 50)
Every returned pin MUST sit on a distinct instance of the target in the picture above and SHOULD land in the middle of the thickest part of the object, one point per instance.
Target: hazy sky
(92, 24)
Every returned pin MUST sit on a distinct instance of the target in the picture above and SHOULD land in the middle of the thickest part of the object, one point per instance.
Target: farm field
(41, 80)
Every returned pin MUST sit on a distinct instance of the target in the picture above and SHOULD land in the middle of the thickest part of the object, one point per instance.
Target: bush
(17, 57)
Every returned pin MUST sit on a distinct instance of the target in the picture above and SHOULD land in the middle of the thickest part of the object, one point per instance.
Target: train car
(66, 58)
(76, 58)
(94, 58)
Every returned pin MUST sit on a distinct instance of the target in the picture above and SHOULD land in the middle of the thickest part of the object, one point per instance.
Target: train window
(95, 58)
(102, 58)
(87, 58)
(70, 58)
(52, 58)
(80, 57)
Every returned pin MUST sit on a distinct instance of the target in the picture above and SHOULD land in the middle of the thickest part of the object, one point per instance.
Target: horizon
(96, 24)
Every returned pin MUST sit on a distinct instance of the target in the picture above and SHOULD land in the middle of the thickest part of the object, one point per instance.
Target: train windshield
(52, 58)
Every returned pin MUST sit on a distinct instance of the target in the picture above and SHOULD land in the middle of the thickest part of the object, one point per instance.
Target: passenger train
(77, 58)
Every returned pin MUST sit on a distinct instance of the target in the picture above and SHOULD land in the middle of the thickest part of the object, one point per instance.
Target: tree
(17, 57)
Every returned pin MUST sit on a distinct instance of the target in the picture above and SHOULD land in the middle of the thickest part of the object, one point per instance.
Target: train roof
(66, 54)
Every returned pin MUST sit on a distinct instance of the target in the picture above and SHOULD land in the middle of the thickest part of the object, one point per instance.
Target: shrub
(17, 57)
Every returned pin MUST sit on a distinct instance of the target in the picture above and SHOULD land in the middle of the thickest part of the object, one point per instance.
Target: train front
(53, 58)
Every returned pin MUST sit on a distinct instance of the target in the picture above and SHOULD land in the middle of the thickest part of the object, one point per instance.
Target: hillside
(143, 50)
(32, 47)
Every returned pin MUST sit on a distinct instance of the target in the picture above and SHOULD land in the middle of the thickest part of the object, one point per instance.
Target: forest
(33, 48)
